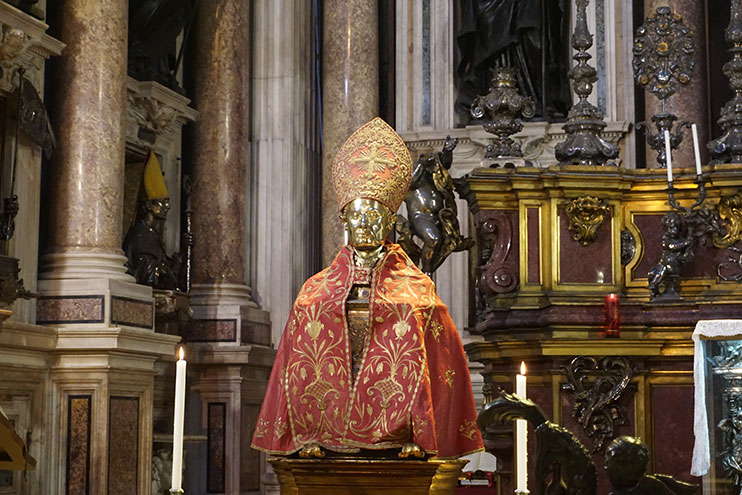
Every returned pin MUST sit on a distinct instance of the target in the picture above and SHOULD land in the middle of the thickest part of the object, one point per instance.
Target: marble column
(227, 322)
(101, 370)
(690, 102)
(87, 173)
(350, 92)
(219, 71)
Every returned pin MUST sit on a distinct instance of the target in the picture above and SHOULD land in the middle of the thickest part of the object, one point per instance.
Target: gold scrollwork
(586, 215)
(729, 210)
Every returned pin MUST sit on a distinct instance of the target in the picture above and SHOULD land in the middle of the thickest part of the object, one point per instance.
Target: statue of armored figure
(432, 212)
(145, 252)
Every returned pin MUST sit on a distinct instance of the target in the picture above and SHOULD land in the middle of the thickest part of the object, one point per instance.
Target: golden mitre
(154, 182)
(374, 163)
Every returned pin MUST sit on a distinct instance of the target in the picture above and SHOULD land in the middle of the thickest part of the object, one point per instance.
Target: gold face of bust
(368, 222)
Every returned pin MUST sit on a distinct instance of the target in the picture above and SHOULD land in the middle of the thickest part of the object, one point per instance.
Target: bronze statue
(563, 464)
(432, 212)
(625, 463)
(528, 35)
(154, 26)
(676, 252)
(145, 252)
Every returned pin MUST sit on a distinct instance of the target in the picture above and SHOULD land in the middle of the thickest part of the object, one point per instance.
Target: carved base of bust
(363, 475)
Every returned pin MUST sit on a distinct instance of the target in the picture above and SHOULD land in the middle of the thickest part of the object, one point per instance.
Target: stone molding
(537, 140)
(161, 111)
(23, 43)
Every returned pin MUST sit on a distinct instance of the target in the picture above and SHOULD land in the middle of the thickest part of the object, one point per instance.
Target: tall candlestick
(178, 417)
(696, 149)
(521, 437)
(668, 156)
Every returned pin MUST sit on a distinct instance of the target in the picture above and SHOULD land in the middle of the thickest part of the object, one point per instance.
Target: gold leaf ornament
(586, 214)
(401, 328)
(314, 328)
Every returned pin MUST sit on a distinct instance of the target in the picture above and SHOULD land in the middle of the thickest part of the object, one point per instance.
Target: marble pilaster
(690, 102)
(350, 91)
(284, 153)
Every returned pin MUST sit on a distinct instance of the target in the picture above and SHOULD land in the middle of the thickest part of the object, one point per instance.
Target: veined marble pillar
(350, 92)
(226, 320)
(102, 368)
(88, 166)
(690, 102)
(220, 63)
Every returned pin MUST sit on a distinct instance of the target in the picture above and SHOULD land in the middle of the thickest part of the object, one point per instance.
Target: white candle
(521, 436)
(696, 149)
(668, 155)
(178, 417)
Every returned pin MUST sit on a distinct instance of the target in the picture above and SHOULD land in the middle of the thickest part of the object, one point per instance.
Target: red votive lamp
(612, 315)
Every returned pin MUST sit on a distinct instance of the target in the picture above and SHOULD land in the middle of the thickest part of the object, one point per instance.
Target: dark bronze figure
(677, 250)
(625, 463)
(145, 252)
(563, 465)
(528, 35)
(154, 26)
(684, 228)
(432, 211)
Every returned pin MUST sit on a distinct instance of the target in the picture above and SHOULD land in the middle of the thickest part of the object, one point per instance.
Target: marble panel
(212, 330)
(70, 309)
(216, 462)
(672, 430)
(132, 312)
(534, 246)
(650, 228)
(78, 444)
(123, 443)
(591, 264)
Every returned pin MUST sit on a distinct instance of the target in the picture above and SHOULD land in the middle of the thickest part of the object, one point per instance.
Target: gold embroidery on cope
(436, 328)
(468, 429)
(449, 377)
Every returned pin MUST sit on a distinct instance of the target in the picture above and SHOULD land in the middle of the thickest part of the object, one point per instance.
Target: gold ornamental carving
(586, 215)
(729, 210)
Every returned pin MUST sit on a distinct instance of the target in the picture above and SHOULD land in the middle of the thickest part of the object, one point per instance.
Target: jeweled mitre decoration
(374, 163)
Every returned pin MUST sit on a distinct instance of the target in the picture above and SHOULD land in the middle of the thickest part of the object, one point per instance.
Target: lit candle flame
(522, 367)
(181, 353)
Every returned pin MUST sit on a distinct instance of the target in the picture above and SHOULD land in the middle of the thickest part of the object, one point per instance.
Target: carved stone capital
(154, 112)
(23, 44)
